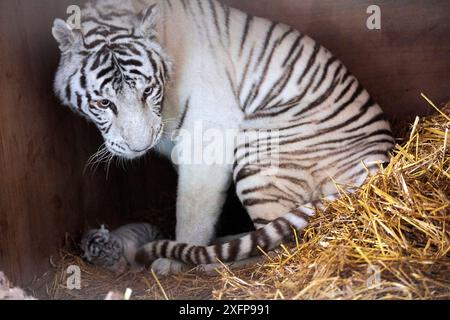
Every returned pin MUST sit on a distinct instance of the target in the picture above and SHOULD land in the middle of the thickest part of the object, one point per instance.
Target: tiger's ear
(148, 21)
(67, 38)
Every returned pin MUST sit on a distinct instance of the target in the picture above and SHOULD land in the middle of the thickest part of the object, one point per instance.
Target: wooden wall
(44, 193)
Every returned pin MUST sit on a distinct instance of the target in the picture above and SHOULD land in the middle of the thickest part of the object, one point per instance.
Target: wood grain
(45, 194)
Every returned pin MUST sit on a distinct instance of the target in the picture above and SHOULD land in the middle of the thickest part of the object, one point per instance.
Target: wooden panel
(410, 55)
(45, 192)
(43, 147)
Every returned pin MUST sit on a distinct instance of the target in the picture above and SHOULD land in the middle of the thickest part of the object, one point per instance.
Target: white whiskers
(103, 155)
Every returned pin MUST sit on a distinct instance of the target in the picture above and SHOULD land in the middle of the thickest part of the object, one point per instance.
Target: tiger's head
(114, 72)
(101, 248)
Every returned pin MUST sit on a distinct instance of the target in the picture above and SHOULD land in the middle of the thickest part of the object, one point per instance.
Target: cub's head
(113, 72)
(101, 248)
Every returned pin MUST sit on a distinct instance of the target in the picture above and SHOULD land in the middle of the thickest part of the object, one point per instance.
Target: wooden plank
(43, 147)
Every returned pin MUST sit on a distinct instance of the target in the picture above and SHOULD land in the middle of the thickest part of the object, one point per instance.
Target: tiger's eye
(148, 90)
(105, 104)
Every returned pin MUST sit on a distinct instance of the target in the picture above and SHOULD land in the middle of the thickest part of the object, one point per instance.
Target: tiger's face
(100, 248)
(115, 76)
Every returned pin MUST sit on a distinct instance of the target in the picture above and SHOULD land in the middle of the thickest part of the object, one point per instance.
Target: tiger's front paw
(165, 267)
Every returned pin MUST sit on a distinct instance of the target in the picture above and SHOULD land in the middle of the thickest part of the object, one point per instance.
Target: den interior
(47, 197)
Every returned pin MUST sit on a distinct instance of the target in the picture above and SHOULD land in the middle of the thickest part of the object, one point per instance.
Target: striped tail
(265, 239)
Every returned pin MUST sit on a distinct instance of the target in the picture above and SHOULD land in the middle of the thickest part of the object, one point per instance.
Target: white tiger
(141, 70)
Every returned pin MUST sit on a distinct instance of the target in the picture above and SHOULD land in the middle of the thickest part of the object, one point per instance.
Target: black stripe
(164, 247)
(261, 221)
(345, 91)
(246, 68)
(83, 73)
(359, 90)
(327, 66)
(352, 161)
(96, 63)
(293, 48)
(189, 256)
(281, 83)
(311, 61)
(105, 71)
(227, 19)
(281, 230)
(266, 42)
(289, 104)
(98, 31)
(268, 63)
(301, 214)
(234, 249)
(197, 255)
(183, 2)
(218, 252)
(94, 44)
(264, 241)
(79, 101)
(255, 202)
(248, 22)
(185, 111)
(206, 255)
(131, 62)
(381, 117)
(199, 2)
(68, 92)
(177, 252)
(106, 82)
(216, 19)
(254, 244)
(152, 61)
(324, 96)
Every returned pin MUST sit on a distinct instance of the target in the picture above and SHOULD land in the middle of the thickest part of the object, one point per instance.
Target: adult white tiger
(231, 71)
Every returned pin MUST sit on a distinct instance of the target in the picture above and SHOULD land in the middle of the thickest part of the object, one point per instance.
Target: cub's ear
(148, 20)
(67, 38)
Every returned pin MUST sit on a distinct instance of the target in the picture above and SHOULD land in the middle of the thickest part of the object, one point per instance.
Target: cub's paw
(165, 267)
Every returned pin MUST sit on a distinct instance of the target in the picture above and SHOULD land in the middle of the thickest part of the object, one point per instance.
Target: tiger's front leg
(202, 191)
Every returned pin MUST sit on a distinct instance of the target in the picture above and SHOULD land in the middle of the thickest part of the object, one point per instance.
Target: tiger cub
(116, 250)
(158, 74)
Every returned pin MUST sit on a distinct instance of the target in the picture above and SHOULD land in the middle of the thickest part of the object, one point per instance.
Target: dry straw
(390, 240)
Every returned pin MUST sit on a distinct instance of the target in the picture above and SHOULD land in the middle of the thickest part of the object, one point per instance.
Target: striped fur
(116, 250)
(231, 71)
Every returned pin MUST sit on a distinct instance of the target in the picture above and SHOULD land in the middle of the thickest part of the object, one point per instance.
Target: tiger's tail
(253, 244)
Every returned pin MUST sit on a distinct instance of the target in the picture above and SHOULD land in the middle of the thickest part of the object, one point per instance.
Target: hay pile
(390, 240)
(96, 284)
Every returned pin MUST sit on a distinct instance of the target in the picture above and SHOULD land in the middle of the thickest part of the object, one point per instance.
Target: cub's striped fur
(143, 70)
(116, 250)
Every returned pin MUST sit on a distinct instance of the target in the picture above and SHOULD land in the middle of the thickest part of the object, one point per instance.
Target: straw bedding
(390, 240)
